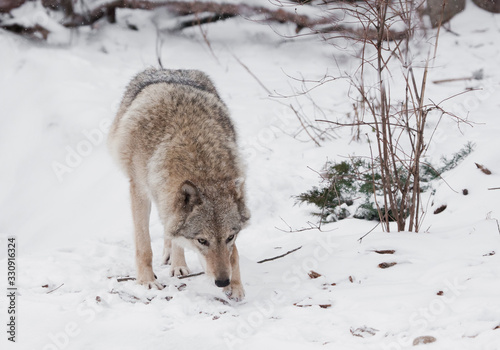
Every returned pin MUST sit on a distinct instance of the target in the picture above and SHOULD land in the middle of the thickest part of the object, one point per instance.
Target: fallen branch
(279, 256)
(384, 251)
(214, 12)
(323, 306)
(477, 75)
(35, 32)
(205, 12)
(494, 188)
(124, 279)
(451, 80)
(364, 34)
(204, 20)
(55, 289)
(191, 275)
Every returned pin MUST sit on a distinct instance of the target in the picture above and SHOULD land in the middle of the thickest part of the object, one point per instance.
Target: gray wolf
(174, 139)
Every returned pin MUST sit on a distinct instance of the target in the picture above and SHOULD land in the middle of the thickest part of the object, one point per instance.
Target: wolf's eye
(203, 242)
(229, 239)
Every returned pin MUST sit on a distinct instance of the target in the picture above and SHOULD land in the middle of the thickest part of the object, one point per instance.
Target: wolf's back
(192, 78)
(172, 116)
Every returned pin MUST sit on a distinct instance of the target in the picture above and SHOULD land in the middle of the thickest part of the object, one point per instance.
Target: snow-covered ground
(68, 206)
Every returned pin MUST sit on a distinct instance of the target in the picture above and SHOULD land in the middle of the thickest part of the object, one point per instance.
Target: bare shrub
(391, 108)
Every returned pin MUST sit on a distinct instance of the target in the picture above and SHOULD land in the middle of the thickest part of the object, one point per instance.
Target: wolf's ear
(244, 212)
(239, 185)
(190, 196)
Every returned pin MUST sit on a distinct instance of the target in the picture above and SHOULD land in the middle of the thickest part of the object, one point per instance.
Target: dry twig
(55, 289)
(191, 275)
(125, 279)
(360, 239)
(279, 256)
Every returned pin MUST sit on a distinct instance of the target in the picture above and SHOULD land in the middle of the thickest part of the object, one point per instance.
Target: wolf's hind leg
(141, 209)
(179, 266)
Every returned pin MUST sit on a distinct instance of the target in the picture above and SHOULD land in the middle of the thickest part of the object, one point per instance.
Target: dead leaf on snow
(483, 169)
(385, 251)
(386, 265)
(364, 332)
(440, 209)
(313, 274)
(424, 339)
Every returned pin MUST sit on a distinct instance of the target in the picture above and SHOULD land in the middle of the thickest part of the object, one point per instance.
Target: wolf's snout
(222, 283)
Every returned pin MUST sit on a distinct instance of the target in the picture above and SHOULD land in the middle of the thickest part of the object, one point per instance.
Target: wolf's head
(212, 218)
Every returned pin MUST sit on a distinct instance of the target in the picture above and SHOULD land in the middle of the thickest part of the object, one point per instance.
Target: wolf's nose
(222, 283)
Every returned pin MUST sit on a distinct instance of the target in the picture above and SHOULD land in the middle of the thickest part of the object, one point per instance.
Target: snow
(74, 228)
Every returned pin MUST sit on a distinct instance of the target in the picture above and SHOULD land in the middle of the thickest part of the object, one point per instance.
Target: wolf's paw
(177, 271)
(147, 278)
(235, 291)
(151, 284)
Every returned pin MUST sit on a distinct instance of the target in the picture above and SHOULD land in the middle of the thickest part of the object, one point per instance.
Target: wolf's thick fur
(174, 139)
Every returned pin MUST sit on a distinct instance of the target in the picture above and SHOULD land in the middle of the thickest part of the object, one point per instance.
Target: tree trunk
(488, 5)
(8, 5)
(452, 7)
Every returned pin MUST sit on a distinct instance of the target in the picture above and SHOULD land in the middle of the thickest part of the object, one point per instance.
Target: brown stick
(191, 275)
(451, 80)
(204, 20)
(124, 279)
(279, 256)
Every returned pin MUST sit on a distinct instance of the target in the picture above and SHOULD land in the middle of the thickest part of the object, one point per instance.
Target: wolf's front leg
(141, 208)
(167, 251)
(179, 266)
(235, 289)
